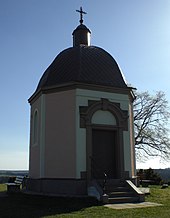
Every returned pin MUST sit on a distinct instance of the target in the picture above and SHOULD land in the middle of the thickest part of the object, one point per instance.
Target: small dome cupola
(81, 35)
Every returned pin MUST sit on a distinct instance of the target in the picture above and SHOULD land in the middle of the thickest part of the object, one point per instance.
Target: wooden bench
(14, 187)
(164, 186)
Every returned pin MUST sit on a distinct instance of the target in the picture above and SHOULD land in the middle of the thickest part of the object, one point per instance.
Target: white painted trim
(42, 137)
(35, 138)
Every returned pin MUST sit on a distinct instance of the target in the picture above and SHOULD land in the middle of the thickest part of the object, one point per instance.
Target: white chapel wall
(34, 156)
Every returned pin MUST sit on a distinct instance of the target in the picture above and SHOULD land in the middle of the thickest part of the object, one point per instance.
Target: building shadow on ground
(24, 205)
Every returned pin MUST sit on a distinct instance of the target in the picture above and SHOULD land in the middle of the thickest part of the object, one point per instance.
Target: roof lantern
(81, 35)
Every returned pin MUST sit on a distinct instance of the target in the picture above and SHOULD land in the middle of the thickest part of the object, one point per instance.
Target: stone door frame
(121, 116)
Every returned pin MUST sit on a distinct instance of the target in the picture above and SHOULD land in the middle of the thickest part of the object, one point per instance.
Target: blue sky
(135, 32)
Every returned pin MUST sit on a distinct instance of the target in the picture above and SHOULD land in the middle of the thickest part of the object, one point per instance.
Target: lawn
(22, 205)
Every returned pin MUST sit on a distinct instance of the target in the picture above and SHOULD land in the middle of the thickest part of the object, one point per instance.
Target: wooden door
(103, 154)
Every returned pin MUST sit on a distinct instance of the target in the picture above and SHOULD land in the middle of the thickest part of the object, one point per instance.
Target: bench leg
(13, 189)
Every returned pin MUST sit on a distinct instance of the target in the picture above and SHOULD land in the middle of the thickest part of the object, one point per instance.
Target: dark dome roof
(84, 64)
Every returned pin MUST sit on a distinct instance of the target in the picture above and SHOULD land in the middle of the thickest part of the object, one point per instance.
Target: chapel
(81, 131)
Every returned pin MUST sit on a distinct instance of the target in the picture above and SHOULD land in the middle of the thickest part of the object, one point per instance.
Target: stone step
(121, 194)
(117, 200)
(111, 188)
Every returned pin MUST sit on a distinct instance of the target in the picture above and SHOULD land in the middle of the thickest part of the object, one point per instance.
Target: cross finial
(81, 14)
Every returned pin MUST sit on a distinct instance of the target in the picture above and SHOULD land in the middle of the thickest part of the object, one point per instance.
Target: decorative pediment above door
(87, 112)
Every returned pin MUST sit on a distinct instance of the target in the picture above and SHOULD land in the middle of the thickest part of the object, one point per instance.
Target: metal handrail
(96, 168)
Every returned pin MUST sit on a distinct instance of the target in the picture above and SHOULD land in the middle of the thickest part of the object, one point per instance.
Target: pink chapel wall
(34, 165)
(60, 141)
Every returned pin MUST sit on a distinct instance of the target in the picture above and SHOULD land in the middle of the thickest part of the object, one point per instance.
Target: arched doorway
(104, 145)
(104, 122)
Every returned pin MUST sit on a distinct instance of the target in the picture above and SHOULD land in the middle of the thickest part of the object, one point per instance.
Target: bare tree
(151, 115)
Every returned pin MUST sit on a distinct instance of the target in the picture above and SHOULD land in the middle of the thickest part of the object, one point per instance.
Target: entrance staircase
(121, 192)
(117, 191)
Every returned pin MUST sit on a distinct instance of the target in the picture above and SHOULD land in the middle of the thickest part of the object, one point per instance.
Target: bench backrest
(19, 180)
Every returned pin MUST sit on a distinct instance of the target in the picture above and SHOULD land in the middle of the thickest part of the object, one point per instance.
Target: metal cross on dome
(81, 14)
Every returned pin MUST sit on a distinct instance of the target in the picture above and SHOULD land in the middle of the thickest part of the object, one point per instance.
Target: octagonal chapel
(81, 121)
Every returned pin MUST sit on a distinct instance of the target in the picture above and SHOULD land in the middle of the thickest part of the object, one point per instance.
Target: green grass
(2, 188)
(21, 205)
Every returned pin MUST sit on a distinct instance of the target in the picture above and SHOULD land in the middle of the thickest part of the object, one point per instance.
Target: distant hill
(164, 173)
(13, 172)
(5, 174)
